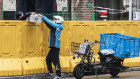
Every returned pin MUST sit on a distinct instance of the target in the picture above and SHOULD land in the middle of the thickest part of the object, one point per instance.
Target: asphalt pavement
(129, 73)
(122, 75)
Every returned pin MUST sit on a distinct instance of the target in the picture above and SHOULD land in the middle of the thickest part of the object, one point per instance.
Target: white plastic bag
(82, 49)
(107, 51)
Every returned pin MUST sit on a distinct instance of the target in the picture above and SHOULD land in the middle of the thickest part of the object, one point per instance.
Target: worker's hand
(40, 15)
(33, 13)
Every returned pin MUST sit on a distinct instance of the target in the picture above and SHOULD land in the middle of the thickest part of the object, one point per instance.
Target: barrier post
(93, 15)
(63, 13)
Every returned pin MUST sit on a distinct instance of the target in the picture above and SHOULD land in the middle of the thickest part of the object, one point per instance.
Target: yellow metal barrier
(132, 62)
(45, 44)
(115, 27)
(73, 62)
(33, 65)
(100, 27)
(65, 40)
(24, 45)
(10, 48)
(10, 37)
(131, 28)
(21, 47)
(10, 66)
(32, 47)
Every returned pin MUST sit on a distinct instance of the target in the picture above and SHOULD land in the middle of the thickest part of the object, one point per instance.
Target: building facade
(81, 9)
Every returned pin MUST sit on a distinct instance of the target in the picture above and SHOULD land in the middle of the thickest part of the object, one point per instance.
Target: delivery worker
(54, 42)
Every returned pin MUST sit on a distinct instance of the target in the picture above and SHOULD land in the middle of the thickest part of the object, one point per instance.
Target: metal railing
(73, 16)
(67, 16)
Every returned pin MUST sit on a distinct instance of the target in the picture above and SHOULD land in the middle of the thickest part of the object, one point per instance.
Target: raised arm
(53, 25)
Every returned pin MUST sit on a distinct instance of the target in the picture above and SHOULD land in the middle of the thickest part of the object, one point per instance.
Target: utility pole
(130, 10)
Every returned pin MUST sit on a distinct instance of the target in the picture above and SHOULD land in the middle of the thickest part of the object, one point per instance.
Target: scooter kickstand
(96, 73)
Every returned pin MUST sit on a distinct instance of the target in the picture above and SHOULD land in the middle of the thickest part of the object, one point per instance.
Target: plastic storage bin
(124, 46)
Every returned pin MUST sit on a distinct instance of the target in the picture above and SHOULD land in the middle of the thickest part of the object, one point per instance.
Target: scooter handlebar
(98, 41)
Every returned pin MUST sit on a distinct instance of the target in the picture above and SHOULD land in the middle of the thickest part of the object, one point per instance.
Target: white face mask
(54, 21)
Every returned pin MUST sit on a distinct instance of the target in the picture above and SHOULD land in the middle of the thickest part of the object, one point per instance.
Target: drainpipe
(130, 10)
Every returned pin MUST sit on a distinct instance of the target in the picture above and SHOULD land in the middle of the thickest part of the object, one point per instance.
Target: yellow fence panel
(65, 39)
(79, 31)
(45, 39)
(65, 63)
(32, 40)
(131, 28)
(115, 27)
(33, 65)
(100, 27)
(32, 44)
(73, 62)
(132, 62)
(45, 44)
(139, 30)
(10, 67)
(10, 39)
(10, 48)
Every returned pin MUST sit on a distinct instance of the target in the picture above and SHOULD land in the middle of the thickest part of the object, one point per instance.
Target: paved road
(122, 75)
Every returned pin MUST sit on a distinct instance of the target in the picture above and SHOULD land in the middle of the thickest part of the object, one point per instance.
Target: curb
(134, 69)
(64, 75)
(39, 76)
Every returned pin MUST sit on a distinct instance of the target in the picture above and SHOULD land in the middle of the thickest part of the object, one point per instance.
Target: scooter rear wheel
(114, 72)
(78, 71)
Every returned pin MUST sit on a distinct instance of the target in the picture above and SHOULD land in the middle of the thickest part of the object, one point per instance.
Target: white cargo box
(35, 18)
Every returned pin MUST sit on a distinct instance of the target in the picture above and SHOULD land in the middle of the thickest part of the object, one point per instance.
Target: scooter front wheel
(78, 71)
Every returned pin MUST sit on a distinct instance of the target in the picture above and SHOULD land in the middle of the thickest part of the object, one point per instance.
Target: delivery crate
(124, 46)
